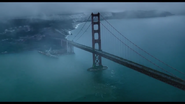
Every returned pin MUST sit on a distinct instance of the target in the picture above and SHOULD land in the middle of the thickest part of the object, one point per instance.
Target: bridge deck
(176, 82)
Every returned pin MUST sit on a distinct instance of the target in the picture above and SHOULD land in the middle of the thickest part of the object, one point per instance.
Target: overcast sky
(24, 8)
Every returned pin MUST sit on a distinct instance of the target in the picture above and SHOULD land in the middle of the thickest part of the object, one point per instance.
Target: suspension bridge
(97, 52)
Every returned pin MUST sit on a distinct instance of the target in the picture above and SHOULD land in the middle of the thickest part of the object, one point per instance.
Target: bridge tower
(69, 48)
(96, 41)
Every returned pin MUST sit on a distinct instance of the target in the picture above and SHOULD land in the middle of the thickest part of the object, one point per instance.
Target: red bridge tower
(96, 42)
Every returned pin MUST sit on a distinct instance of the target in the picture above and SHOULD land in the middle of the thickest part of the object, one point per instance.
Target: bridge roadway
(176, 82)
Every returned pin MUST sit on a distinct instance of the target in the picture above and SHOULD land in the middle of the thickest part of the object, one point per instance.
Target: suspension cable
(83, 32)
(138, 53)
(82, 27)
(142, 49)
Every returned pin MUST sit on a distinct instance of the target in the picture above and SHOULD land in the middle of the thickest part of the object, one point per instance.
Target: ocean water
(30, 76)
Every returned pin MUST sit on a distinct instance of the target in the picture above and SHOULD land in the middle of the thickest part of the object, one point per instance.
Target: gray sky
(24, 8)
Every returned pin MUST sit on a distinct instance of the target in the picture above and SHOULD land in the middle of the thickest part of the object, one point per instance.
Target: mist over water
(30, 76)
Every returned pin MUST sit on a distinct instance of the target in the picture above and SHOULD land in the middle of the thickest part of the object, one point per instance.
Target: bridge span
(176, 82)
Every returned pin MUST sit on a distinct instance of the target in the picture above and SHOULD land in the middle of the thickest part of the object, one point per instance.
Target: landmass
(40, 32)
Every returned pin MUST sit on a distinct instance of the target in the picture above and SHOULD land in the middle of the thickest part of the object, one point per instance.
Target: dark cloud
(14, 9)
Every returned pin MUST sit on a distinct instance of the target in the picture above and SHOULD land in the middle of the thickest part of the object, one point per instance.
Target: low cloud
(14, 9)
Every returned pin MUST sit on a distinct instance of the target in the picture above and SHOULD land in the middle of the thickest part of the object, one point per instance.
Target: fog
(31, 76)
(15, 9)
